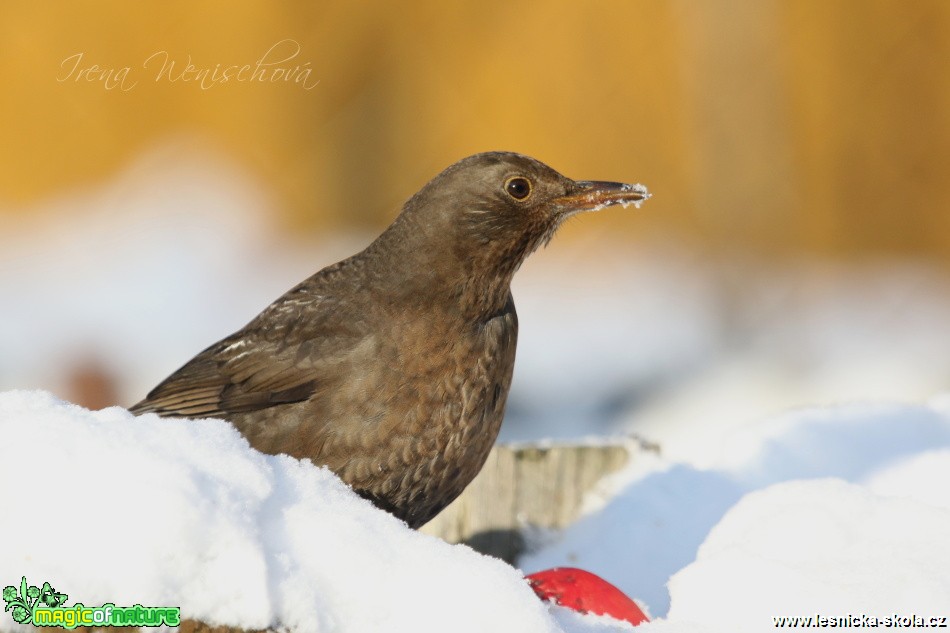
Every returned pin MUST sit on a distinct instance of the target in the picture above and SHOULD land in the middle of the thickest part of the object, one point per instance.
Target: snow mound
(922, 477)
(823, 547)
(838, 513)
(835, 510)
(107, 507)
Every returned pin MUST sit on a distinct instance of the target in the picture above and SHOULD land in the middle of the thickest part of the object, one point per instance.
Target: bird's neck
(427, 271)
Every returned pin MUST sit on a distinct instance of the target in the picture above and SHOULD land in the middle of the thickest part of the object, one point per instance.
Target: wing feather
(287, 354)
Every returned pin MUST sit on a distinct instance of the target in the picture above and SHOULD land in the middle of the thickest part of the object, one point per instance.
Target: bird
(392, 367)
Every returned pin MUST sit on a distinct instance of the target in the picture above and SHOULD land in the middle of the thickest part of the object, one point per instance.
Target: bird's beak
(593, 195)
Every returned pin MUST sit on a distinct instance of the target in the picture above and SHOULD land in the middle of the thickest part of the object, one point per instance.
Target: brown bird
(392, 367)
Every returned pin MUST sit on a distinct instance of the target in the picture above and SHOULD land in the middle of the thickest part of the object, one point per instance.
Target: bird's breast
(437, 405)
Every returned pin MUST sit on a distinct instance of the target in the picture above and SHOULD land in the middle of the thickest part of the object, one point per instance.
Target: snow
(817, 546)
(112, 508)
(830, 511)
(916, 477)
(836, 510)
(641, 189)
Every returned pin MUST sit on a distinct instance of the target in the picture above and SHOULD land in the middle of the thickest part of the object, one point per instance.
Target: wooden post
(524, 487)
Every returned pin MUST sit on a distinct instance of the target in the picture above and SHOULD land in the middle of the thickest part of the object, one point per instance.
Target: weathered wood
(524, 487)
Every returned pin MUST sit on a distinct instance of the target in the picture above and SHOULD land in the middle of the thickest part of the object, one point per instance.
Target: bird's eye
(518, 188)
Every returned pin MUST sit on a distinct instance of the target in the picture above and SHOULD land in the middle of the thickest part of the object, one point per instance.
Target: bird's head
(481, 217)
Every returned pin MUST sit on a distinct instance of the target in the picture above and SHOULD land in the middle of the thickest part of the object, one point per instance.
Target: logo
(43, 606)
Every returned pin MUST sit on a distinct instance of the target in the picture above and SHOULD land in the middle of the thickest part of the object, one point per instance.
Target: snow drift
(112, 508)
(835, 511)
(828, 513)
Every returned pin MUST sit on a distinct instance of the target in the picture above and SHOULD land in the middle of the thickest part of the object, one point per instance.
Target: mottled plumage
(392, 367)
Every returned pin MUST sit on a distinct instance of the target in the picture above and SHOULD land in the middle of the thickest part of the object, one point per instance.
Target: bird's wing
(287, 354)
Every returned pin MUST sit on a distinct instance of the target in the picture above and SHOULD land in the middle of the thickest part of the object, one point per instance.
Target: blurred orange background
(795, 251)
(805, 126)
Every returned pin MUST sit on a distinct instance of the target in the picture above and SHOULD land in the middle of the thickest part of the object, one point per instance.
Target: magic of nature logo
(44, 606)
